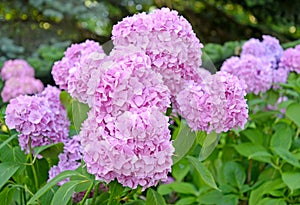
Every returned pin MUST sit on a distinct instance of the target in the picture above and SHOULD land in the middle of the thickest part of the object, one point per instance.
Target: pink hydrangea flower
(73, 55)
(70, 159)
(169, 41)
(39, 120)
(134, 148)
(16, 86)
(216, 104)
(126, 82)
(256, 74)
(16, 68)
(290, 59)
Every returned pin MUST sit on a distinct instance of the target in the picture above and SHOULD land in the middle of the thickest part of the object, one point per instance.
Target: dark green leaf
(49, 151)
(203, 172)
(234, 174)
(8, 140)
(272, 201)
(210, 197)
(136, 202)
(292, 112)
(115, 189)
(6, 195)
(291, 179)
(251, 150)
(184, 142)
(154, 198)
(229, 199)
(254, 135)
(7, 170)
(287, 156)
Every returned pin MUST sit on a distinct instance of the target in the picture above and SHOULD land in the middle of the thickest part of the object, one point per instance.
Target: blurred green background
(39, 31)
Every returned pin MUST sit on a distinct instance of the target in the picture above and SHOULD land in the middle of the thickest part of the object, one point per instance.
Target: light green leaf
(234, 174)
(210, 197)
(154, 198)
(282, 136)
(203, 172)
(79, 113)
(272, 201)
(63, 195)
(7, 170)
(184, 188)
(8, 140)
(209, 144)
(292, 112)
(184, 142)
(253, 151)
(52, 183)
(286, 155)
(291, 179)
(180, 169)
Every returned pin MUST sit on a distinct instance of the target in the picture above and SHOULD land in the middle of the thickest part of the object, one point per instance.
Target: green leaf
(52, 183)
(209, 144)
(115, 189)
(234, 174)
(136, 202)
(154, 198)
(272, 201)
(291, 179)
(6, 195)
(286, 155)
(254, 135)
(7, 170)
(63, 195)
(229, 199)
(282, 136)
(180, 169)
(184, 142)
(210, 197)
(250, 151)
(49, 151)
(292, 112)
(203, 172)
(164, 189)
(184, 188)
(79, 113)
(8, 140)
(186, 201)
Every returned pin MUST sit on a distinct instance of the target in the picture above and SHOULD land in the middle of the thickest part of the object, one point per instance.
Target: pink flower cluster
(258, 65)
(72, 72)
(40, 119)
(133, 147)
(217, 103)
(168, 39)
(291, 59)
(19, 79)
(70, 159)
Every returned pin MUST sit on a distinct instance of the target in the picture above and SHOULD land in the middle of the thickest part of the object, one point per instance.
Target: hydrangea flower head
(37, 120)
(16, 86)
(169, 41)
(134, 148)
(290, 59)
(73, 54)
(16, 68)
(70, 159)
(257, 75)
(127, 82)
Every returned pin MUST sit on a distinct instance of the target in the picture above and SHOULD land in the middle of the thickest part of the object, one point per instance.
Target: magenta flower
(16, 68)
(70, 159)
(169, 41)
(134, 148)
(39, 120)
(16, 86)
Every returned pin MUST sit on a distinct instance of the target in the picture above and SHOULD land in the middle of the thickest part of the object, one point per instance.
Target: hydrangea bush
(146, 124)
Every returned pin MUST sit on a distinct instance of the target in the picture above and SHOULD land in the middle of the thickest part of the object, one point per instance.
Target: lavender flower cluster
(19, 79)
(260, 65)
(40, 119)
(155, 62)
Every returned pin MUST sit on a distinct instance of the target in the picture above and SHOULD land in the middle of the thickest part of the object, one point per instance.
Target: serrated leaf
(63, 195)
(184, 142)
(286, 155)
(51, 184)
(7, 170)
(291, 179)
(282, 136)
(204, 173)
(154, 198)
(209, 144)
(292, 112)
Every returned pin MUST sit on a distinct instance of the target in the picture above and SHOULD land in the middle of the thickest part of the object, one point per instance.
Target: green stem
(97, 187)
(87, 193)
(36, 182)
